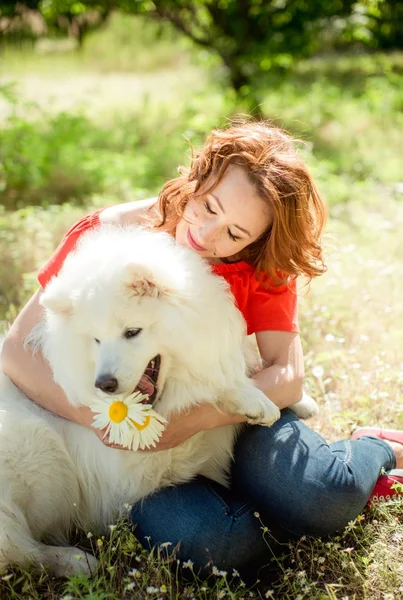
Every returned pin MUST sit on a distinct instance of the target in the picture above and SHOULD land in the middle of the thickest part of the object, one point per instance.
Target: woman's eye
(131, 333)
(207, 207)
(232, 236)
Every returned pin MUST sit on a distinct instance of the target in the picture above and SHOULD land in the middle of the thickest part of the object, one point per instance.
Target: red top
(264, 309)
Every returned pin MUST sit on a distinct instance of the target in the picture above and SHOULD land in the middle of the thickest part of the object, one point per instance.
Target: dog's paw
(68, 561)
(264, 412)
(252, 403)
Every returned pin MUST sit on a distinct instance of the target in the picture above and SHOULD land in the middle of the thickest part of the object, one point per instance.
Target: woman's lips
(194, 244)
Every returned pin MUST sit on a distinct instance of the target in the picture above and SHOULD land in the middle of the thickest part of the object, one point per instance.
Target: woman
(247, 205)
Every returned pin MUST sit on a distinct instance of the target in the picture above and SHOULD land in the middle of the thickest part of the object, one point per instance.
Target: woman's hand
(185, 425)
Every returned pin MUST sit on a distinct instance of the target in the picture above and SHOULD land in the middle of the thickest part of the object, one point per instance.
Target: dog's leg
(39, 496)
(246, 399)
(18, 547)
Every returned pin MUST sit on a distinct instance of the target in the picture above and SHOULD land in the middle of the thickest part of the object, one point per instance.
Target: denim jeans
(287, 473)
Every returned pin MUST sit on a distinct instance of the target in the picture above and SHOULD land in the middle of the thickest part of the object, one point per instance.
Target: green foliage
(48, 161)
(380, 22)
(348, 111)
(68, 157)
(27, 236)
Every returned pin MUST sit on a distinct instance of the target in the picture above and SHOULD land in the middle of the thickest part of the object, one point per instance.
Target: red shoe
(388, 487)
(391, 435)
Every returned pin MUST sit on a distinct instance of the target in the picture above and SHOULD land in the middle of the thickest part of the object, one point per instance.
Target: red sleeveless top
(263, 308)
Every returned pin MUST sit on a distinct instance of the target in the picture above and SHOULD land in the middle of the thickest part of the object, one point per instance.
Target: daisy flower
(127, 421)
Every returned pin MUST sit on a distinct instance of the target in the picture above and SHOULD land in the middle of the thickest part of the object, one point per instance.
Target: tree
(250, 36)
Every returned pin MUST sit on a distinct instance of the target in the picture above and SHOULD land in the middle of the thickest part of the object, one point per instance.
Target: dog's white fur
(55, 473)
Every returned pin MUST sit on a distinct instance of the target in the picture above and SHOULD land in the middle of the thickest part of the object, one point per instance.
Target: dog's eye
(96, 340)
(130, 333)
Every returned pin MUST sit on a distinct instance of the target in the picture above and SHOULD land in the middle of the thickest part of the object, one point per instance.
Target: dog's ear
(142, 282)
(56, 300)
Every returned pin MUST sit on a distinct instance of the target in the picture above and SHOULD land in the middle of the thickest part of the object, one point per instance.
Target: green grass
(362, 563)
(103, 148)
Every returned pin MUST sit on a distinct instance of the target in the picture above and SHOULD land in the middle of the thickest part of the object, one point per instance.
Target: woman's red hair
(292, 244)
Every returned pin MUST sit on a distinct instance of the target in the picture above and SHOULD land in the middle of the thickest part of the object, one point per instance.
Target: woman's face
(222, 223)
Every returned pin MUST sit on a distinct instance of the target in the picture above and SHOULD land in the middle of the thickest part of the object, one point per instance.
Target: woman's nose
(207, 233)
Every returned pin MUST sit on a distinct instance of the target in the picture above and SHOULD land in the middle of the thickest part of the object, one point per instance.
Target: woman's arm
(283, 376)
(281, 381)
(30, 372)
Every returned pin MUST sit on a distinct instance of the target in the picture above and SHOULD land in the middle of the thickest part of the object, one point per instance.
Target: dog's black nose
(107, 383)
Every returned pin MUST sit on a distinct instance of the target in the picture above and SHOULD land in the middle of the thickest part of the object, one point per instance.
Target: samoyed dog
(130, 310)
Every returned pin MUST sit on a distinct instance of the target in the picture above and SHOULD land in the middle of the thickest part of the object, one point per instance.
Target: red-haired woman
(249, 206)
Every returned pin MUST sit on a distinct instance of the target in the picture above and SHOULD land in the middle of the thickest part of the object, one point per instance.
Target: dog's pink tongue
(145, 385)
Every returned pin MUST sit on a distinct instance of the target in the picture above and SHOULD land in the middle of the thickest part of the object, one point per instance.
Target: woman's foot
(393, 437)
(398, 450)
(389, 485)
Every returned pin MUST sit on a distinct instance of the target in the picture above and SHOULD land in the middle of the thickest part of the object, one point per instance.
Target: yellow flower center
(118, 411)
(144, 425)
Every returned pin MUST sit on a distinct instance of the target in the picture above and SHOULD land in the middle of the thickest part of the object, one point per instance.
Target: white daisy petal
(134, 444)
(100, 421)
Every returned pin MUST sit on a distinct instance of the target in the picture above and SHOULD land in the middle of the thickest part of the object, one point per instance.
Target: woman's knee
(294, 478)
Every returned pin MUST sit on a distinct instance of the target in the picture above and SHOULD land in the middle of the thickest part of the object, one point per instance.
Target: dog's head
(132, 310)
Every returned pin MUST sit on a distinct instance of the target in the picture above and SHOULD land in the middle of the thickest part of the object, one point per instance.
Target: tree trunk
(243, 87)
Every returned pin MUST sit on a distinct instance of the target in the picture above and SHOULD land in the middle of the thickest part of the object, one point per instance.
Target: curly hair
(292, 244)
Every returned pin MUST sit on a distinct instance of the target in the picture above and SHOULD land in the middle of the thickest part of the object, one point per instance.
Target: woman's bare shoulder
(129, 213)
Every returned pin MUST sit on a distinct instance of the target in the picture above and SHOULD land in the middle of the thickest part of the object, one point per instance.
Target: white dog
(126, 301)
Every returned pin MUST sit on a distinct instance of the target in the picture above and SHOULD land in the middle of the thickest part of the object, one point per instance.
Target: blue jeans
(287, 473)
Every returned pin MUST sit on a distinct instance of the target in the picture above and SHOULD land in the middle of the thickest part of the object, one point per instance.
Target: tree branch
(179, 23)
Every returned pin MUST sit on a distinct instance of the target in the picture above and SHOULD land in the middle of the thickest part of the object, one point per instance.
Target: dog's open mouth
(148, 381)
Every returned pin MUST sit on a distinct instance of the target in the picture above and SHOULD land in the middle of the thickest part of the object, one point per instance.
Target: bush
(68, 157)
